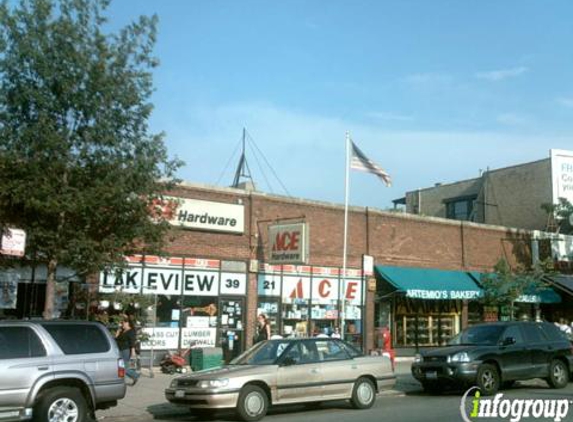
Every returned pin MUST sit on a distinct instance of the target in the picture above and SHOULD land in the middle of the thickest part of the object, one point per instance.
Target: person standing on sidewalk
(263, 329)
(126, 339)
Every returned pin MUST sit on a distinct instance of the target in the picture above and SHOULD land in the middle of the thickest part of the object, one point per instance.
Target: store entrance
(232, 326)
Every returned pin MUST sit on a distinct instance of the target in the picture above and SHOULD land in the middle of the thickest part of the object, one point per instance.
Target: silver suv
(58, 370)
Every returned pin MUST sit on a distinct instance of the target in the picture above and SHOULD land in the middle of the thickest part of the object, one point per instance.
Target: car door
(23, 361)
(299, 377)
(515, 356)
(538, 346)
(338, 368)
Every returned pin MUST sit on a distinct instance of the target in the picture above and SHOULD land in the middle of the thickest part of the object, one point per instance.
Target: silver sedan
(286, 371)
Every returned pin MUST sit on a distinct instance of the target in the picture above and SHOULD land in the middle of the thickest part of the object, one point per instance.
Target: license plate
(432, 375)
(179, 394)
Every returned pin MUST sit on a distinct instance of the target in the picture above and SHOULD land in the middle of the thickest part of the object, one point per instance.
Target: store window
(324, 308)
(269, 295)
(303, 301)
(296, 305)
(426, 322)
(193, 301)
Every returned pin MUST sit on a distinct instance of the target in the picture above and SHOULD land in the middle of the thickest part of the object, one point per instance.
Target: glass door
(232, 327)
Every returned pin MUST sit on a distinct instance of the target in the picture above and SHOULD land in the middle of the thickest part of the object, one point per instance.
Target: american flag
(359, 161)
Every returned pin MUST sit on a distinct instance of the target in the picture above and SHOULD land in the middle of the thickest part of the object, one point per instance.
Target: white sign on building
(562, 174)
(207, 215)
(13, 242)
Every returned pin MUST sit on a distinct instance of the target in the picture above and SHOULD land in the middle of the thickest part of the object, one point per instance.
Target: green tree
(505, 285)
(80, 169)
(562, 213)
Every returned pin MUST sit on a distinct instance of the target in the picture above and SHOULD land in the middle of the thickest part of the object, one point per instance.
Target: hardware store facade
(217, 273)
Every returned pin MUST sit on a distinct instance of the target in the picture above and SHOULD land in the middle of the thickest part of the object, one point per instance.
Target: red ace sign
(288, 243)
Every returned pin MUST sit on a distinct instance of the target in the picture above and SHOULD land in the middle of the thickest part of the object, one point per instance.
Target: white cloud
(428, 79)
(501, 74)
(389, 116)
(512, 119)
(566, 102)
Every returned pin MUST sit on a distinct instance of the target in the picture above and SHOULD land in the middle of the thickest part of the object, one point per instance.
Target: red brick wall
(393, 239)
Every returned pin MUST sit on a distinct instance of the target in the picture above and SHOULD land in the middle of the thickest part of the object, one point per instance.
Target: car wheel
(253, 403)
(488, 379)
(432, 387)
(61, 404)
(558, 376)
(363, 394)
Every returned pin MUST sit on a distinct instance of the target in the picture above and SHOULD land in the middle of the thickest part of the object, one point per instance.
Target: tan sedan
(286, 371)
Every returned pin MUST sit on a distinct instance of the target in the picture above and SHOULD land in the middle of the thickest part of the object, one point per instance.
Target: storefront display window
(325, 304)
(270, 307)
(303, 301)
(425, 322)
(194, 301)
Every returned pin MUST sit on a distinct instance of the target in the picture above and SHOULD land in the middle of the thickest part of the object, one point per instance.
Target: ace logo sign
(288, 243)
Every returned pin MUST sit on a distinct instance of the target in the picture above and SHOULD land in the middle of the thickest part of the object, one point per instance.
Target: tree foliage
(505, 286)
(561, 212)
(79, 166)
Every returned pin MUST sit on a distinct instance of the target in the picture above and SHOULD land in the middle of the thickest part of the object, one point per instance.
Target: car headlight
(461, 357)
(217, 383)
(418, 358)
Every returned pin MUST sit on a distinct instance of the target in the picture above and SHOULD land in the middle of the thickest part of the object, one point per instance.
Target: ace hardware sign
(288, 243)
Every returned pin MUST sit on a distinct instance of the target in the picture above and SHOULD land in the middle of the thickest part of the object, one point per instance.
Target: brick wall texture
(391, 238)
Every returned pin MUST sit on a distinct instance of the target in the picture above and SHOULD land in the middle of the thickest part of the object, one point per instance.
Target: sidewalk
(145, 401)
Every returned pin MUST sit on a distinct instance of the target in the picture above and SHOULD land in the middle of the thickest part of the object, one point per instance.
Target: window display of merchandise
(430, 330)
(329, 312)
(271, 310)
(295, 318)
(295, 311)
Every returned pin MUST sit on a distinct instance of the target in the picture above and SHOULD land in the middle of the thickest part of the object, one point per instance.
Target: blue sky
(433, 91)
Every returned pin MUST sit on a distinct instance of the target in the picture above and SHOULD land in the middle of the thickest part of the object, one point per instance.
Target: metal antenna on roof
(243, 170)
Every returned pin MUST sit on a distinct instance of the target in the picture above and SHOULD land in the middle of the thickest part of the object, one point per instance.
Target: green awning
(543, 294)
(432, 284)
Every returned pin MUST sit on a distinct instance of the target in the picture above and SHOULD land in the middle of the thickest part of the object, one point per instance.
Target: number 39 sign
(233, 284)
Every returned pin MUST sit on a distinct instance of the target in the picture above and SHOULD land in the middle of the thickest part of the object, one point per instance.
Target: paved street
(407, 402)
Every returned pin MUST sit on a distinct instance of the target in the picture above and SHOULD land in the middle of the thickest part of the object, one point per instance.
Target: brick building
(510, 196)
(395, 241)
(217, 275)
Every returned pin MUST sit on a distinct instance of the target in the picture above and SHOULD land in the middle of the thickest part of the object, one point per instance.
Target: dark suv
(496, 354)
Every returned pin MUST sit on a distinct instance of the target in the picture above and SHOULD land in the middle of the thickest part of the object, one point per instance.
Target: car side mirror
(288, 361)
(508, 341)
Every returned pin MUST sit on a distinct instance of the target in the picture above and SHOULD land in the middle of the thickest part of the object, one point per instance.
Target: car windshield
(484, 335)
(264, 353)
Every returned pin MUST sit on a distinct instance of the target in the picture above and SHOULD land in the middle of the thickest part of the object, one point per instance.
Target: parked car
(58, 371)
(284, 371)
(497, 354)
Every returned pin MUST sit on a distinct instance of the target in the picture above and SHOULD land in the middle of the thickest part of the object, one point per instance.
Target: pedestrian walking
(126, 338)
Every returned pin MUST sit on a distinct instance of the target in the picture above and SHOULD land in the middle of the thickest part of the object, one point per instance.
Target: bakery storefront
(188, 301)
(309, 300)
(425, 307)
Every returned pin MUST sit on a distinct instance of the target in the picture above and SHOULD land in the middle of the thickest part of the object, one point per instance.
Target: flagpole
(342, 294)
